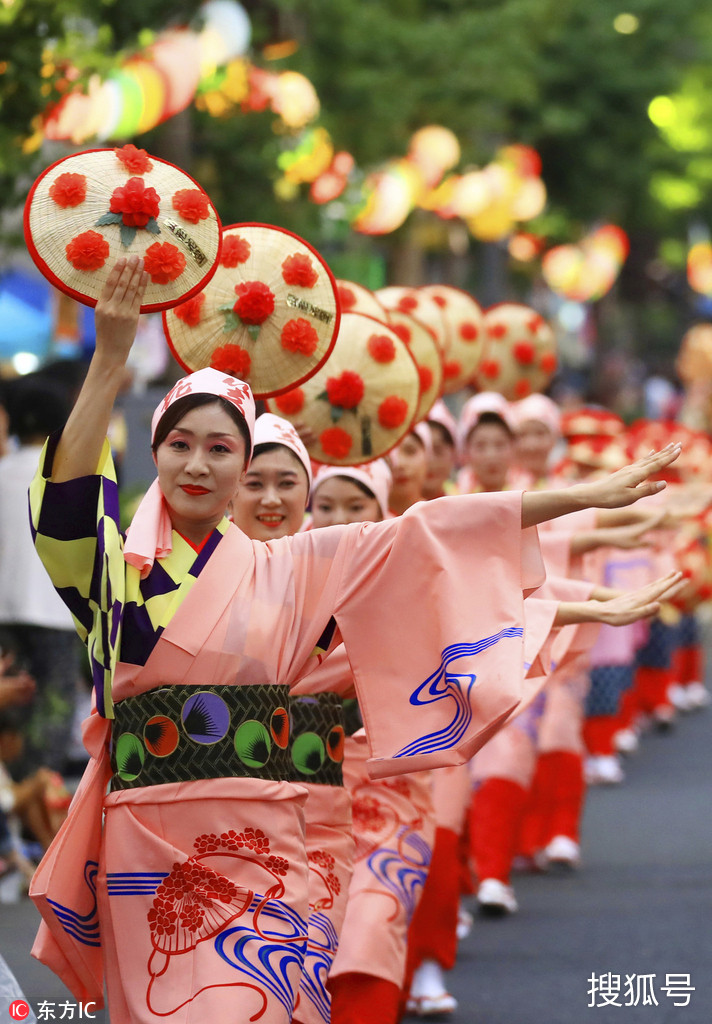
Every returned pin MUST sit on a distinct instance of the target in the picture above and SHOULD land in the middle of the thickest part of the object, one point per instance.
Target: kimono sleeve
(75, 528)
(430, 608)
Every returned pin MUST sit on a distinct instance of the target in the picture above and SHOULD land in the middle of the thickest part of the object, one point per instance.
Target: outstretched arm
(117, 314)
(623, 609)
(615, 491)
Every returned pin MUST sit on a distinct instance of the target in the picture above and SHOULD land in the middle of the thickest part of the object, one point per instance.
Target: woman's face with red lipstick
(200, 464)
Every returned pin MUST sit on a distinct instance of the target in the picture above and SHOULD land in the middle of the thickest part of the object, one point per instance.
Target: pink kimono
(192, 901)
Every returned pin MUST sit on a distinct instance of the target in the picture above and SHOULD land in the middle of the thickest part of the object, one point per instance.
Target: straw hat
(363, 400)
(418, 304)
(695, 461)
(519, 353)
(464, 339)
(269, 314)
(694, 360)
(424, 349)
(354, 298)
(591, 422)
(89, 209)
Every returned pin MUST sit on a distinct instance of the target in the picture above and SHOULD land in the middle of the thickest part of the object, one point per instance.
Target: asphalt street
(612, 942)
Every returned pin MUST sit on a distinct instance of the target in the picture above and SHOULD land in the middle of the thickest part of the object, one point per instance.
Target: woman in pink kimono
(186, 886)
(270, 504)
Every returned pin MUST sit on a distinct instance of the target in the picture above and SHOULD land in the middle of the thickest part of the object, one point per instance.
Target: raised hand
(643, 603)
(118, 309)
(632, 482)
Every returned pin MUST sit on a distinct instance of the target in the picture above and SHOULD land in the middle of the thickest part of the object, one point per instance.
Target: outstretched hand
(643, 603)
(118, 309)
(633, 482)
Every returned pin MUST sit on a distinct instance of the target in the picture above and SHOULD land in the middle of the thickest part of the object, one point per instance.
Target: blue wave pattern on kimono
(134, 883)
(317, 964)
(455, 686)
(265, 962)
(401, 878)
(84, 928)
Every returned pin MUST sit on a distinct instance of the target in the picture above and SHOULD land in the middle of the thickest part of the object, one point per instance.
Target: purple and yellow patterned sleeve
(75, 527)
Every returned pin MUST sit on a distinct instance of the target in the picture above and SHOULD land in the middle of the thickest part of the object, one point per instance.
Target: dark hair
(445, 435)
(175, 413)
(357, 483)
(491, 418)
(36, 408)
(272, 446)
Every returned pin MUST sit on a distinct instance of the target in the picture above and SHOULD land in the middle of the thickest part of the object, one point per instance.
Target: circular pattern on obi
(205, 717)
(308, 753)
(130, 756)
(279, 727)
(160, 734)
(270, 314)
(93, 207)
(253, 744)
(335, 743)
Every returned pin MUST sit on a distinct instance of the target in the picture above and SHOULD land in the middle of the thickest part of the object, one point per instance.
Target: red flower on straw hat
(522, 389)
(346, 297)
(232, 359)
(392, 412)
(136, 203)
(403, 332)
(426, 378)
(134, 160)
(469, 332)
(291, 403)
(69, 190)
(190, 312)
(548, 362)
(88, 251)
(346, 390)
(451, 369)
(336, 442)
(255, 302)
(163, 262)
(381, 348)
(490, 368)
(298, 270)
(299, 336)
(235, 249)
(192, 204)
(497, 330)
(524, 352)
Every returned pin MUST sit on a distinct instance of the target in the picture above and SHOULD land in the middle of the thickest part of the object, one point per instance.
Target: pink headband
(150, 535)
(539, 408)
(270, 429)
(441, 414)
(210, 382)
(375, 475)
(422, 432)
(475, 408)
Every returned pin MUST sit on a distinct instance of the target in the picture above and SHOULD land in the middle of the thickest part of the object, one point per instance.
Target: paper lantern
(177, 54)
(295, 99)
(391, 195)
(226, 34)
(434, 150)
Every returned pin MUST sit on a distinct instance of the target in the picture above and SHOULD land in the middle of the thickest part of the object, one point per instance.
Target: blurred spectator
(35, 625)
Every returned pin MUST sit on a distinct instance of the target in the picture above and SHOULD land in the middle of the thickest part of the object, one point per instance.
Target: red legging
(364, 999)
